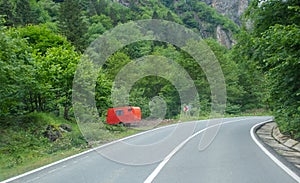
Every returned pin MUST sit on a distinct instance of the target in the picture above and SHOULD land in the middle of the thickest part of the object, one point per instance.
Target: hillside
(217, 19)
(42, 43)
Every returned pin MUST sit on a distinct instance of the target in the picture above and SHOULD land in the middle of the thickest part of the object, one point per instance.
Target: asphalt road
(173, 154)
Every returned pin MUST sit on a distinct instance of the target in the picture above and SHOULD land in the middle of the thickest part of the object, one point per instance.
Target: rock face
(230, 8)
(233, 9)
(224, 37)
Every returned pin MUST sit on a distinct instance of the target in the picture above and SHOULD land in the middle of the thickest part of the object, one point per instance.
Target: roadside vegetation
(36, 139)
(41, 43)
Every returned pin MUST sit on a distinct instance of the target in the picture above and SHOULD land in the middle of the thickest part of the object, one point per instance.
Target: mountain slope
(210, 17)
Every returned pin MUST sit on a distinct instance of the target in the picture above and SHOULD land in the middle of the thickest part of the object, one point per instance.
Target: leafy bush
(233, 109)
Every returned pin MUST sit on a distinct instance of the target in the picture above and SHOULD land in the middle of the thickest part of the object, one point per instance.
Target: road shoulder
(282, 145)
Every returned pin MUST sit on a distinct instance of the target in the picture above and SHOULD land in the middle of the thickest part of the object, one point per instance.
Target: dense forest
(42, 41)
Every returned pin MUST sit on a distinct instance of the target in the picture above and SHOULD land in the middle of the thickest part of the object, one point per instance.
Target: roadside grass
(33, 163)
(24, 147)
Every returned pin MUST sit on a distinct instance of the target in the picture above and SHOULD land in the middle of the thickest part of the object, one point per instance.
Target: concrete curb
(282, 144)
(284, 139)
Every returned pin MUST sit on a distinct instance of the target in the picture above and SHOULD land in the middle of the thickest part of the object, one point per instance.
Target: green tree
(40, 37)
(280, 60)
(169, 16)
(272, 46)
(51, 8)
(57, 69)
(97, 26)
(155, 15)
(7, 10)
(115, 63)
(232, 73)
(24, 14)
(103, 92)
(53, 68)
(15, 73)
(264, 14)
(71, 23)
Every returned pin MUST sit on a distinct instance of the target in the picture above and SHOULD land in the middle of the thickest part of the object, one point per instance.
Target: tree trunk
(66, 112)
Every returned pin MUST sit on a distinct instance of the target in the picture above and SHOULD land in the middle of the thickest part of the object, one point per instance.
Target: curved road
(234, 156)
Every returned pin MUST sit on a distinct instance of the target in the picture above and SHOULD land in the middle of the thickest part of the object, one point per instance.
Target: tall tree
(72, 24)
(58, 68)
(54, 68)
(15, 72)
(23, 12)
(7, 10)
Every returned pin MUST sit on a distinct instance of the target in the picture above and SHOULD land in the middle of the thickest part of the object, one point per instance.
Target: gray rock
(66, 127)
(52, 133)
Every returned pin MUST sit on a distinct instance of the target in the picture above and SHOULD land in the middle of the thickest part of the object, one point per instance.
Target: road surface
(172, 154)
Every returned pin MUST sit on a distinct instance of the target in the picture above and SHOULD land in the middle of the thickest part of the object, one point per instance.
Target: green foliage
(51, 8)
(272, 45)
(15, 73)
(269, 13)
(7, 10)
(41, 37)
(231, 71)
(26, 12)
(37, 71)
(57, 69)
(280, 60)
(103, 91)
(233, 109)
(71, 23)
(250, 79)
(115, 63)
(199, 15)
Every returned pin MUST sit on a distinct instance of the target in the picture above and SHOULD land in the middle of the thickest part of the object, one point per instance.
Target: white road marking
(151, 177)
(270, 155)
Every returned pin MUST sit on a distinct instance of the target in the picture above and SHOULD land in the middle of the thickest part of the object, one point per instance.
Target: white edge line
(156, 171)
(278, 162)
(93, 149)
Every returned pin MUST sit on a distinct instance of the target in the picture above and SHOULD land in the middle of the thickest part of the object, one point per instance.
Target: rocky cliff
(230, 8)
(233, 9)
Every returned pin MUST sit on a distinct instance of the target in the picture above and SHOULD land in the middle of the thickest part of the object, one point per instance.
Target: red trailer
(123, 115)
